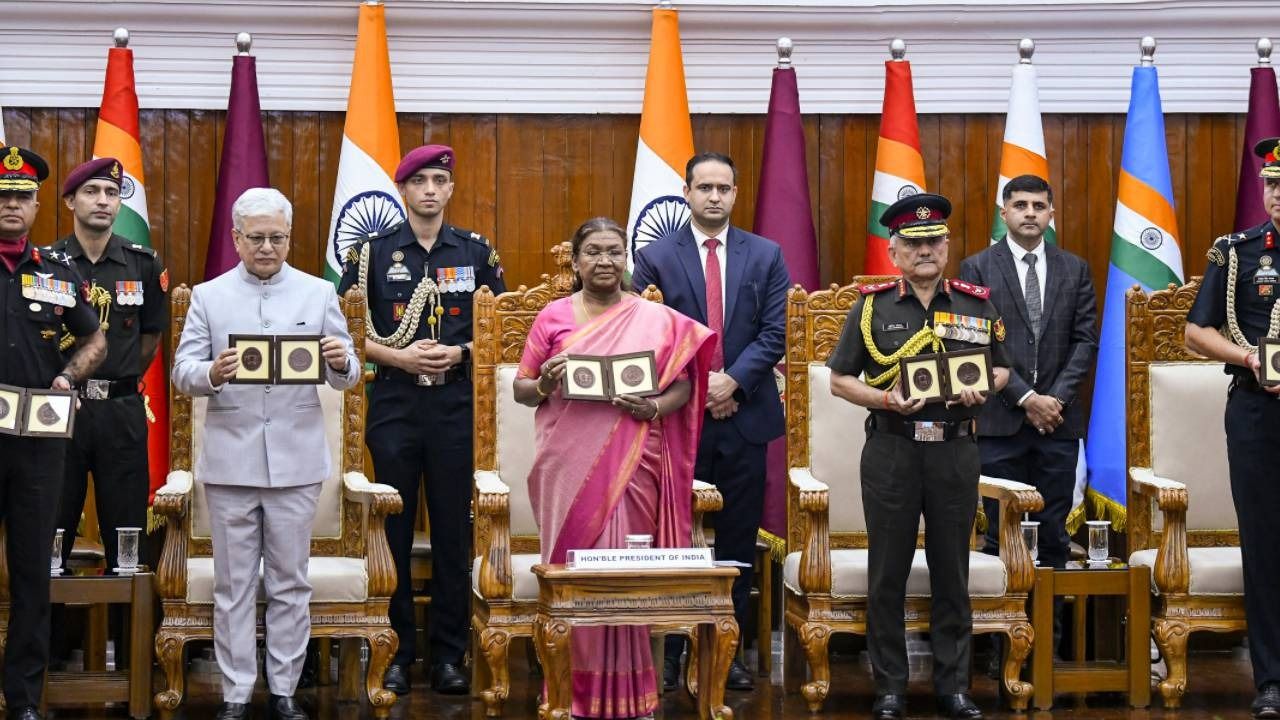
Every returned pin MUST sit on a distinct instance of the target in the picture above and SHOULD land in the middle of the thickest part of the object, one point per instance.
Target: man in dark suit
(735, 283)
(1046, 297)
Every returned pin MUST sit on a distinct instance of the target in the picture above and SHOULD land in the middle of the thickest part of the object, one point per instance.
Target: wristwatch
(466, 357)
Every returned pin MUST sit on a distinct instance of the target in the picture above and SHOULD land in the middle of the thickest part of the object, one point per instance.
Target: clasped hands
(428, 357)
(227, 363)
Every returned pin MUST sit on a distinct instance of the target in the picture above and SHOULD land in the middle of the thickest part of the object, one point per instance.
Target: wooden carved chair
(1177, 450)
(505, 590)
(825, 571)
(351, 572)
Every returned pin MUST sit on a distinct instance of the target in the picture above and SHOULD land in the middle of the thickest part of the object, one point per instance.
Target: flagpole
(1148, 47)
(121, 37)
(1263, 47)
(898, 49)
(244, 43)
(1026, 48)
(785, 46)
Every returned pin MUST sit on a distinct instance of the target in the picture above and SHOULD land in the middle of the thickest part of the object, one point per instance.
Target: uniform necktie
(715, 302)
(1032, 292)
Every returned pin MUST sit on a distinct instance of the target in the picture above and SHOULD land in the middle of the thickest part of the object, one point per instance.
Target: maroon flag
(244, 161)
(1262, 122)
(784, 215)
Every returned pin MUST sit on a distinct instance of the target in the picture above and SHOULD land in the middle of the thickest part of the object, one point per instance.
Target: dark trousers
(1045, 463)
(737, 468)
(110, 442)
(901, 479)
(30, 486)
(416, 433)
(1253, 434)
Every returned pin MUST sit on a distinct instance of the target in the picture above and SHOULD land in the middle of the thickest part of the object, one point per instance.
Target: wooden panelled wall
(527, 180)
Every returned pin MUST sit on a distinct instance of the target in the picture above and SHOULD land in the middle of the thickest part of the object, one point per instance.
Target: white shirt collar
(252, 279)
(700, 237)
(1019, 252)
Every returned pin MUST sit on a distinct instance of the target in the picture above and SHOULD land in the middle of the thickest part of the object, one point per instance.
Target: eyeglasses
(613, 255)
(257, 241)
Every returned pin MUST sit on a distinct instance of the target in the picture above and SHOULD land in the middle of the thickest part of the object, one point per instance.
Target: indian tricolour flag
(899, 164)
(118, 136)
(366, 201)
(1144, 252)
(1023, 150)
(658, 207)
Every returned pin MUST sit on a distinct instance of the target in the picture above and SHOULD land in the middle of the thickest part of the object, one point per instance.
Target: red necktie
(715, 302)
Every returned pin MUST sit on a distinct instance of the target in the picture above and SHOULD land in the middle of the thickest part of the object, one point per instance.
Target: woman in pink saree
(604, 470)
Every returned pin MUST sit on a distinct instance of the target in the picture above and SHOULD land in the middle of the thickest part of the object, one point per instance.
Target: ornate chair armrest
(379, 501)
(173, 500)
(1172, 573)
(1015, 498)
(815, 553)
(493, 546)
(706, 498)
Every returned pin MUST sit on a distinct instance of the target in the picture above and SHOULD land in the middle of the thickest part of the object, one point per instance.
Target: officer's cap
(426, 156)
(107, 168)
(923, 215)
(21, 170)
(1269, 151)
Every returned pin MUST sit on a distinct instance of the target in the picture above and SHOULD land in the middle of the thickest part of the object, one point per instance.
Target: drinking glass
(127, 549)
(1098, 538)
(639, 542)
(1031, 538)
(55, 560)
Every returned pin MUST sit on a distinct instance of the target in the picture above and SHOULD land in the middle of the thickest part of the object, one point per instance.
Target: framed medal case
(1269, 357)
(920, 376)
(299, 360)
(257, 359)
(967, 370)
(633, 374)
(585, 378)
(49, 413)
(12, 402)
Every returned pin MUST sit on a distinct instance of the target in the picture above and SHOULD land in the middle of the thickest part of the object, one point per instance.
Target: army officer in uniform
(918, 458)
(127, 286)
(1235, 307)
(39, 294)
(419, 277)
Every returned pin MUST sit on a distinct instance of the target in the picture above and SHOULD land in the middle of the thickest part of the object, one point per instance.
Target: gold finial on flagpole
(121, 37)
(785, 46)
(1148, 47)
(1026, 48)
(898, 49)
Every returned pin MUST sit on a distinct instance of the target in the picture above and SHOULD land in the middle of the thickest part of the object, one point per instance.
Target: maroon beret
(107, 168)
(427, 156)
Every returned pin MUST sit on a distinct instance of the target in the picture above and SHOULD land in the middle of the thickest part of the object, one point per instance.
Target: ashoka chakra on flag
(368, 213)
(662, 216)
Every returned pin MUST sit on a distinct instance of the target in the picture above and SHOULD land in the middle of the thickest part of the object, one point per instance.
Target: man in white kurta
(263, 456)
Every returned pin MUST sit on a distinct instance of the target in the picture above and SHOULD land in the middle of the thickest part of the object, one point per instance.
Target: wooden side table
(1133, 675)
(662, 599)
(134, 685)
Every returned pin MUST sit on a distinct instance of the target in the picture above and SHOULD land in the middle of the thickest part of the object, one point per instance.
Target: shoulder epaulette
(877, 287)
(139, 248)
(470, 235)
(1250, 234)
(978, 291)
(385, 232)
(1217, 251)
(58, 256)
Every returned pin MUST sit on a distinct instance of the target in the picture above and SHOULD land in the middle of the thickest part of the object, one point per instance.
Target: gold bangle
(537, 386)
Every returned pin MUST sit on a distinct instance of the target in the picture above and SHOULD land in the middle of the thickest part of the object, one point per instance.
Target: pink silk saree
(599, 474)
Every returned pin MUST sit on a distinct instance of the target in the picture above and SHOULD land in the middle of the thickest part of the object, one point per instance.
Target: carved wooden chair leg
(792, 659)
(691, 667)
(169, 646)
(1171, 638)
(349, 669)
(382, 646)
(494, 646)
(1021, 636)
(815, 637)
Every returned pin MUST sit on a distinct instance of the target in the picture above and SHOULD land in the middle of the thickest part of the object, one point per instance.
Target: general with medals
(921, 456)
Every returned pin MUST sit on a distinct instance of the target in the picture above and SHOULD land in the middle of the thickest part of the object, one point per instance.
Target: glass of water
(55, 560)
(1031, 538)
(1098, 540)
(639, 542)
(127, 549)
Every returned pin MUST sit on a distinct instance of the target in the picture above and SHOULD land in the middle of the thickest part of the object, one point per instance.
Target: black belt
(453, 374)
(1246, 382)
(921, 430)
(97, 389)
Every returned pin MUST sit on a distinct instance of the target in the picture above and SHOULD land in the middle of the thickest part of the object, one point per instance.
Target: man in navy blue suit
(736, 283)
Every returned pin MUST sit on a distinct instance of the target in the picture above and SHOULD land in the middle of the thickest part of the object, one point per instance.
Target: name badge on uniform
(1266, 277)
(45, 288)
(890, 327)
(965, 328)
(399, 273)
(129, 292)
